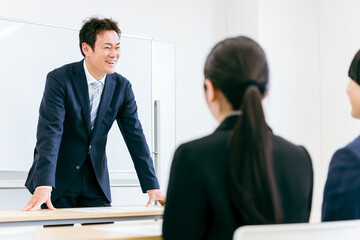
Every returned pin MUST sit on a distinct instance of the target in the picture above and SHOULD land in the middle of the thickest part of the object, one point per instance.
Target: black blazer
(198, 205)
(65, 138)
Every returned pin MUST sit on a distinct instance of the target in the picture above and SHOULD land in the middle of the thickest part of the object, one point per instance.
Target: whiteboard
(28, 52)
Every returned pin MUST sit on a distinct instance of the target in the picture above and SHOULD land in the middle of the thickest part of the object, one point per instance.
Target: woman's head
(236, 71)
(353, 89)
(233, 65)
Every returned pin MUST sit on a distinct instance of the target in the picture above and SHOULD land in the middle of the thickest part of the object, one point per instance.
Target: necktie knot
(96, 85)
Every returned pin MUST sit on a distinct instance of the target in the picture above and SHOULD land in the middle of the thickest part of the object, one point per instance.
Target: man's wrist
(152, 189)
(48, 187)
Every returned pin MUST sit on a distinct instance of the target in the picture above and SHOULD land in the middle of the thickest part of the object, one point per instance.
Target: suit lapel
(106, 97)
(81, 88)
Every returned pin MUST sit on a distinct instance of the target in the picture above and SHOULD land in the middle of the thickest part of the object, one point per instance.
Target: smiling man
(80, 103)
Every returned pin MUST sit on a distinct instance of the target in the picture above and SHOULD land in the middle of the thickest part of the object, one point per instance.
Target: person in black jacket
(242, 173)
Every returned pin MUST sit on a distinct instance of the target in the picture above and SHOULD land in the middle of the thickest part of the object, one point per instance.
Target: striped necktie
(94, 101)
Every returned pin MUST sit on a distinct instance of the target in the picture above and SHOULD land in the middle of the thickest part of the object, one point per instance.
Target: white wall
(300, 38)
(310, 44)
(242, 18)
(339, 41)
(289, 33)
(194, 27)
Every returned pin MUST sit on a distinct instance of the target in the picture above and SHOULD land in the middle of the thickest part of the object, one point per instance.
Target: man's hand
(40, 196)
(155, 194)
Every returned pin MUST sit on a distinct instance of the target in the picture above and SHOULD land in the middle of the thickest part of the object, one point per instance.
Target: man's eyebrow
(117, 44)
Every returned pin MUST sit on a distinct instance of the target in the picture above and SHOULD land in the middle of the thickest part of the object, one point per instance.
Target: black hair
(354, 70)
(238, 68)
(93, 27)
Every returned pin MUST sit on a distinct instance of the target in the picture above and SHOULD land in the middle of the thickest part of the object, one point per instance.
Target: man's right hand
(40, 196)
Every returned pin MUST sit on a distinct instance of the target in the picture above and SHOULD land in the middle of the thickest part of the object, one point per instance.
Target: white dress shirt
(90, 79)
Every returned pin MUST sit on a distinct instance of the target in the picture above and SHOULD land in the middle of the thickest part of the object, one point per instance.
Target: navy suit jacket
(65, 138)
(342, 189)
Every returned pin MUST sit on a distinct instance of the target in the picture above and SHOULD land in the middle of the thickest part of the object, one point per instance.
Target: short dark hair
(93, 27)
(354, 70)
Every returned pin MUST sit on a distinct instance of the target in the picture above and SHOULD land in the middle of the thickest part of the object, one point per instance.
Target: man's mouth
(111, 61)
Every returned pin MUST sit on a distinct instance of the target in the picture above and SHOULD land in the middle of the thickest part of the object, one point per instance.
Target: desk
(133, 230)
(149, 230)
(79, 215)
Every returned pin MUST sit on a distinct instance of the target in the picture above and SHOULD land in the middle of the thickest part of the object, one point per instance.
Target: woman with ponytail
(242, 173)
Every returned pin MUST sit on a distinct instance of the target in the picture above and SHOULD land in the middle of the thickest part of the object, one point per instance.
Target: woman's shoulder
(204, 148)
(347, 156)
(353, 146)
(280, 143)
(204, 143)
(286, 152)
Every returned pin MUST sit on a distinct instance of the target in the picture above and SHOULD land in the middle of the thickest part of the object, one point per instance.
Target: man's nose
(113, 52)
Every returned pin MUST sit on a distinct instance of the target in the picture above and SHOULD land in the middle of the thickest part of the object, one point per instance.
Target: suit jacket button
(77, 167)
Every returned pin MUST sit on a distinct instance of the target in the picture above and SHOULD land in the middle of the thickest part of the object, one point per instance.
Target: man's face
(103, 59)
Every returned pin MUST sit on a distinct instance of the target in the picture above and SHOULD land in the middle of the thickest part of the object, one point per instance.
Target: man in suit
(80, 103)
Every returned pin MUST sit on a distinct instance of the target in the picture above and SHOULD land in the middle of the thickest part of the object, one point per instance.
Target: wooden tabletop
(79, 215)
(135, 230)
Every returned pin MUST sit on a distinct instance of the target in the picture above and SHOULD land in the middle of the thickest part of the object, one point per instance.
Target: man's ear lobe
(85, 48)
(210, 92)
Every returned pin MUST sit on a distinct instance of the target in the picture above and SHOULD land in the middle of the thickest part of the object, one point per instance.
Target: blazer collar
(81, 88)
(228, 124)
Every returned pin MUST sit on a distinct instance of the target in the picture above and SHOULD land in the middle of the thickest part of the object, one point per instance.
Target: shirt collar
(90, 79)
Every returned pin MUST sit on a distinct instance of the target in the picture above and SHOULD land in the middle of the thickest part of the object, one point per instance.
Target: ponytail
(252, 181)
(252, 184)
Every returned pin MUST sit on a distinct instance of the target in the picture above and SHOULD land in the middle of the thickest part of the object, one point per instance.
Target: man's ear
(85, 48)
(210, 93)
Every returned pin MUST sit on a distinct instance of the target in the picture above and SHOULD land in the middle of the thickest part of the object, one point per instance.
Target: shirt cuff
(48, 187)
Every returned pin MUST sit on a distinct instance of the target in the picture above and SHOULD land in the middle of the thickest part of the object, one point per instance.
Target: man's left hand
(155, 195)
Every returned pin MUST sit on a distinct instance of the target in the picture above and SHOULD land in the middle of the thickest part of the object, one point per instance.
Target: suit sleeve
(309, 184)
(49, 131)
(134, 137)
(342, 189)
(186, 206)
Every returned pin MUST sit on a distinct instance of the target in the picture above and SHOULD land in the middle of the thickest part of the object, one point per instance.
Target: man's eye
(107, 48)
